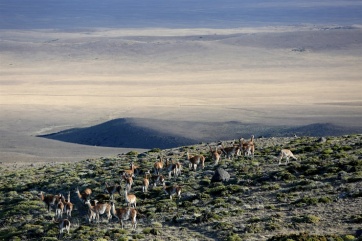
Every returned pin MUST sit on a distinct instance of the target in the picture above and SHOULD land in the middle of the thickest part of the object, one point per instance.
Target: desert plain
(53, 79)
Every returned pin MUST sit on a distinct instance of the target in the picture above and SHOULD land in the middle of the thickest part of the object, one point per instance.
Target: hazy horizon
(49, 14)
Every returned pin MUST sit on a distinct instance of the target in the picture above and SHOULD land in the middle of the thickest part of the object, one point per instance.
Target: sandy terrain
(52, 80)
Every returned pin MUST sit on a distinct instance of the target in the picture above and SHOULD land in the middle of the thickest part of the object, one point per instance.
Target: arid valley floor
(51, 80)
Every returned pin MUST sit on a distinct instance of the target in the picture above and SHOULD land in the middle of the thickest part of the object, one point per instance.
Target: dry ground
(52, 80)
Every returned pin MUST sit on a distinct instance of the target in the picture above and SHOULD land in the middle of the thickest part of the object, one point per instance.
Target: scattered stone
(220, 175)
(208, 172)
(322, 140)
(188, 196)
(155, 231)
(142, 155)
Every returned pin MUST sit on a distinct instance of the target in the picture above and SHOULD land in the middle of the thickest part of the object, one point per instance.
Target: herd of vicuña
(171, 167)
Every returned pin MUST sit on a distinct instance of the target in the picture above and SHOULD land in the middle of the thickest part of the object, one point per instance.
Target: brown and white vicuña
(195, 160)
(64, 225)
(68, 206)
(146, 181)
(286, 153)
(248, 147)
(98, 209)
(157, 179)
(129, 181)
(50, 199)
(59, 208)
(130, 199)
(230, 151)
(172, 190)
(215, 155)
(124, 214)
(158, 166)
(173, 168)
(84, 195)
(112, 189)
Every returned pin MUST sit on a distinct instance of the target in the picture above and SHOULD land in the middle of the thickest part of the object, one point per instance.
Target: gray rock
(188, 196)
(142, 155)
(220, 175)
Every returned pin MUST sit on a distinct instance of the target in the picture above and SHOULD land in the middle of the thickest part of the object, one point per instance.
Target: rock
(220, 175)
(322, 140)
(188, 196)
(208, 172)
(142, 155)
(155, 231)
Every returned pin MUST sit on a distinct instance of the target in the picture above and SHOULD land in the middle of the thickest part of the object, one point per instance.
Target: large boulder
(220, 175)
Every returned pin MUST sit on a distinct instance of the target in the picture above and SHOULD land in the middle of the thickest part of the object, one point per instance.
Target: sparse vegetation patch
(261, 200)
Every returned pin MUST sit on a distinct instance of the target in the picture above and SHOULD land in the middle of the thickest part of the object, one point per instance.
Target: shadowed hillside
(121, 133)
(152, 133)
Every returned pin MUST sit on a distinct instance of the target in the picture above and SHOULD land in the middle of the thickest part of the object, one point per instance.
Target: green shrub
(306, 219)
(138, 236)
(254, 220)
(324, 200)
(218, 201)
(165, 205)
(16, 238)
(233, 237)
(349, 238)
(346, 148)
(327, 151)
(253, 228)
(156, 224)
(305, 237)
(285, 175)
(193, 209)
(356, 218)
(119, 231)
(219, 190)
(312, 219)
(270, 187)
(308, 149)
(224, 226)
(49, 239)
(154, 231)
(124, 238)
(205, 182)
(234, 189)
(271, 207)
(272, 226)
(147, 230)
(207, 216)
(132, 153)
(155, 150)
(307, 201)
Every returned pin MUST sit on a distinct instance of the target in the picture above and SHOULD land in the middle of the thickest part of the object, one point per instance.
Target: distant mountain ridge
(152, 133)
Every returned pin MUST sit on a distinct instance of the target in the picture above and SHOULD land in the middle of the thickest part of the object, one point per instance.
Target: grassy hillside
(318, 197)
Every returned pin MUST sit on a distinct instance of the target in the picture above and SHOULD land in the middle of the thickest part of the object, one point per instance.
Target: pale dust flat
(52, 80)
